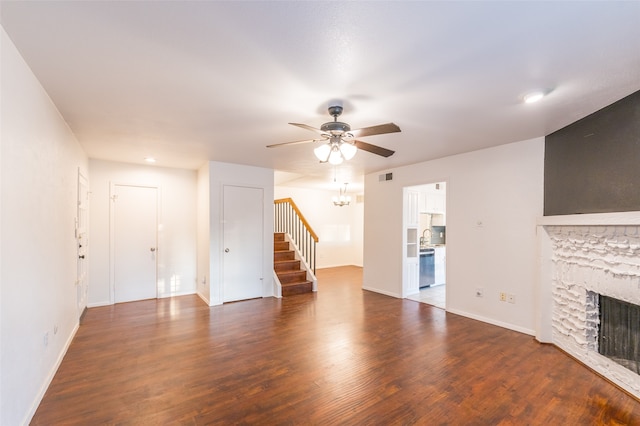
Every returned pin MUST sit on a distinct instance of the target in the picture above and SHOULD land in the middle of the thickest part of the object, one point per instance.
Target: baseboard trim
(204, 299)
(84, 312)
(49, 379)
(493, 322)
(386, 293)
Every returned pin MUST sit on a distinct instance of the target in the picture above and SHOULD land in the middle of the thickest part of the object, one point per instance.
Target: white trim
(43, 389)
(493, 322)
(385, 292)
(277, 286)
(202, 296)
(303, 262)
(182, 293)
(617, 218)
(99, 304)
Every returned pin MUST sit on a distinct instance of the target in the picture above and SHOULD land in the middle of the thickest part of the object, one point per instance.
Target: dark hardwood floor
(341, 356)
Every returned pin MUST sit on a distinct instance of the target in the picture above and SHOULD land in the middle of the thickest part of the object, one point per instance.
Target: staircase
(287, 267)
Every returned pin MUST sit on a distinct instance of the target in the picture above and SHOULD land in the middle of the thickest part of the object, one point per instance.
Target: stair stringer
(277, 286)
(303, 263)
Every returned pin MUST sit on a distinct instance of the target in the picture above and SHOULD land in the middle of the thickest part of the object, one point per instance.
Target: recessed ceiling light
(150, 160)
(532, 97)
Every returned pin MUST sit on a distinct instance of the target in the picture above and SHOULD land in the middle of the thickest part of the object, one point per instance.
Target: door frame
(112, 197)
(222, 242)
(82, 241)
(405, 208)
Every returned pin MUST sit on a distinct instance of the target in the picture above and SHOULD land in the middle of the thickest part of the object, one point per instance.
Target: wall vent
(385, 177)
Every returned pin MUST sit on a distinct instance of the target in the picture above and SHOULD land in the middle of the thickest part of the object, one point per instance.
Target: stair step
(280, 245)
(283, 255)
(287, 277)
(286, 265)
(291, 289)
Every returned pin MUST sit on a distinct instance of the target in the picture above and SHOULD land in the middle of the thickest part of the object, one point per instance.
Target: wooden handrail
(302, 218)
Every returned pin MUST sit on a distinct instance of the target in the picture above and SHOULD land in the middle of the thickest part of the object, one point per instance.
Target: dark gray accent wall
(593, 165)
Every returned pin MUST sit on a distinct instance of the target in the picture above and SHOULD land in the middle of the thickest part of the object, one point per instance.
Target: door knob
(81, 256)
(226, 250)
(153, 249)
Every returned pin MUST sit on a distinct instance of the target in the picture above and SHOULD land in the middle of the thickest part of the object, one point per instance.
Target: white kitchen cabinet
(432, 203)
(440, 262)
(412, 217)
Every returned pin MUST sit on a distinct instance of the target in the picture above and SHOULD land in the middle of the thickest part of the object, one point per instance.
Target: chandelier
(343, 199)
(335, 151)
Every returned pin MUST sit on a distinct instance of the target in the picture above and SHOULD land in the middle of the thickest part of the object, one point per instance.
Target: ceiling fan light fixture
(322, 152)
(348, 150)
(335, 157)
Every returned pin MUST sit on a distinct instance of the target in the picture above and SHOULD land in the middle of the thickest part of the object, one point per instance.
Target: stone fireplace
(582, 258)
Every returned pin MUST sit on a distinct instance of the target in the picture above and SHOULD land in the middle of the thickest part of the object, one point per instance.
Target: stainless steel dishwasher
(427, 267)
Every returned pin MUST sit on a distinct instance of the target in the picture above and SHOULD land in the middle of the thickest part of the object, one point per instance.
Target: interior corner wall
(494, 197)
(40, 162)
(203, 235)
(176, 270)
(221, 174)
(339, 229)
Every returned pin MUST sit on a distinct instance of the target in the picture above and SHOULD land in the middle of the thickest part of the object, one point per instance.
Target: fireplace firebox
(619, 332)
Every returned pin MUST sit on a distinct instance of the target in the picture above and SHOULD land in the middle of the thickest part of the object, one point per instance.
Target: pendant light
(343, 199)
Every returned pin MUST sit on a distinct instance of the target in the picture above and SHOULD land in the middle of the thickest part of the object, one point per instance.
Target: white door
(243, 243)
(82, 242)
(134, 243)
(411, 255)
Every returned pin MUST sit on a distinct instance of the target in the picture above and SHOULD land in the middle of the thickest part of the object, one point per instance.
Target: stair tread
(292, 272)
(288, 270)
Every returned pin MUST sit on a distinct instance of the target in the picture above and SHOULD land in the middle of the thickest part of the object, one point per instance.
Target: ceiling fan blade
(375, 130)
(374, 149)
(275, 145)
(304, 126)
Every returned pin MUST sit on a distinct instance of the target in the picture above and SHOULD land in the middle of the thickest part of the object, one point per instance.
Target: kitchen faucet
(423, 239)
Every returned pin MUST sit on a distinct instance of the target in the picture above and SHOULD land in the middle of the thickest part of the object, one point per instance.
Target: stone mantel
(618, 218)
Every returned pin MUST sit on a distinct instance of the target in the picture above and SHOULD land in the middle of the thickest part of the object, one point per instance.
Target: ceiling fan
(341, 143)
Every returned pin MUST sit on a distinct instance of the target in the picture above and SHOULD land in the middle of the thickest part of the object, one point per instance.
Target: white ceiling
(187, 82)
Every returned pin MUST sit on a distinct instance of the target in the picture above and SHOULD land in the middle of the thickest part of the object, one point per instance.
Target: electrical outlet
(55, 329)
(46, 339)
(479, 292)
(511, 298)
(503, 296)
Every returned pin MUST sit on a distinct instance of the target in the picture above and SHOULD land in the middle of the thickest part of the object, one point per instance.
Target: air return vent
(385, 177)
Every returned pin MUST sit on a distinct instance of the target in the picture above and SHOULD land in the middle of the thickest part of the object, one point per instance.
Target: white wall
(176, 226)
(501, 188)
(339, 229)
(221, 174)
(203, 234)
(40, 160)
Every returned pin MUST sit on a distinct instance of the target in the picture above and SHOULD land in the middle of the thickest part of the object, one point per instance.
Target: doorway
(134, 229)
(429, 213)
(82, 242)
(243, 238)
